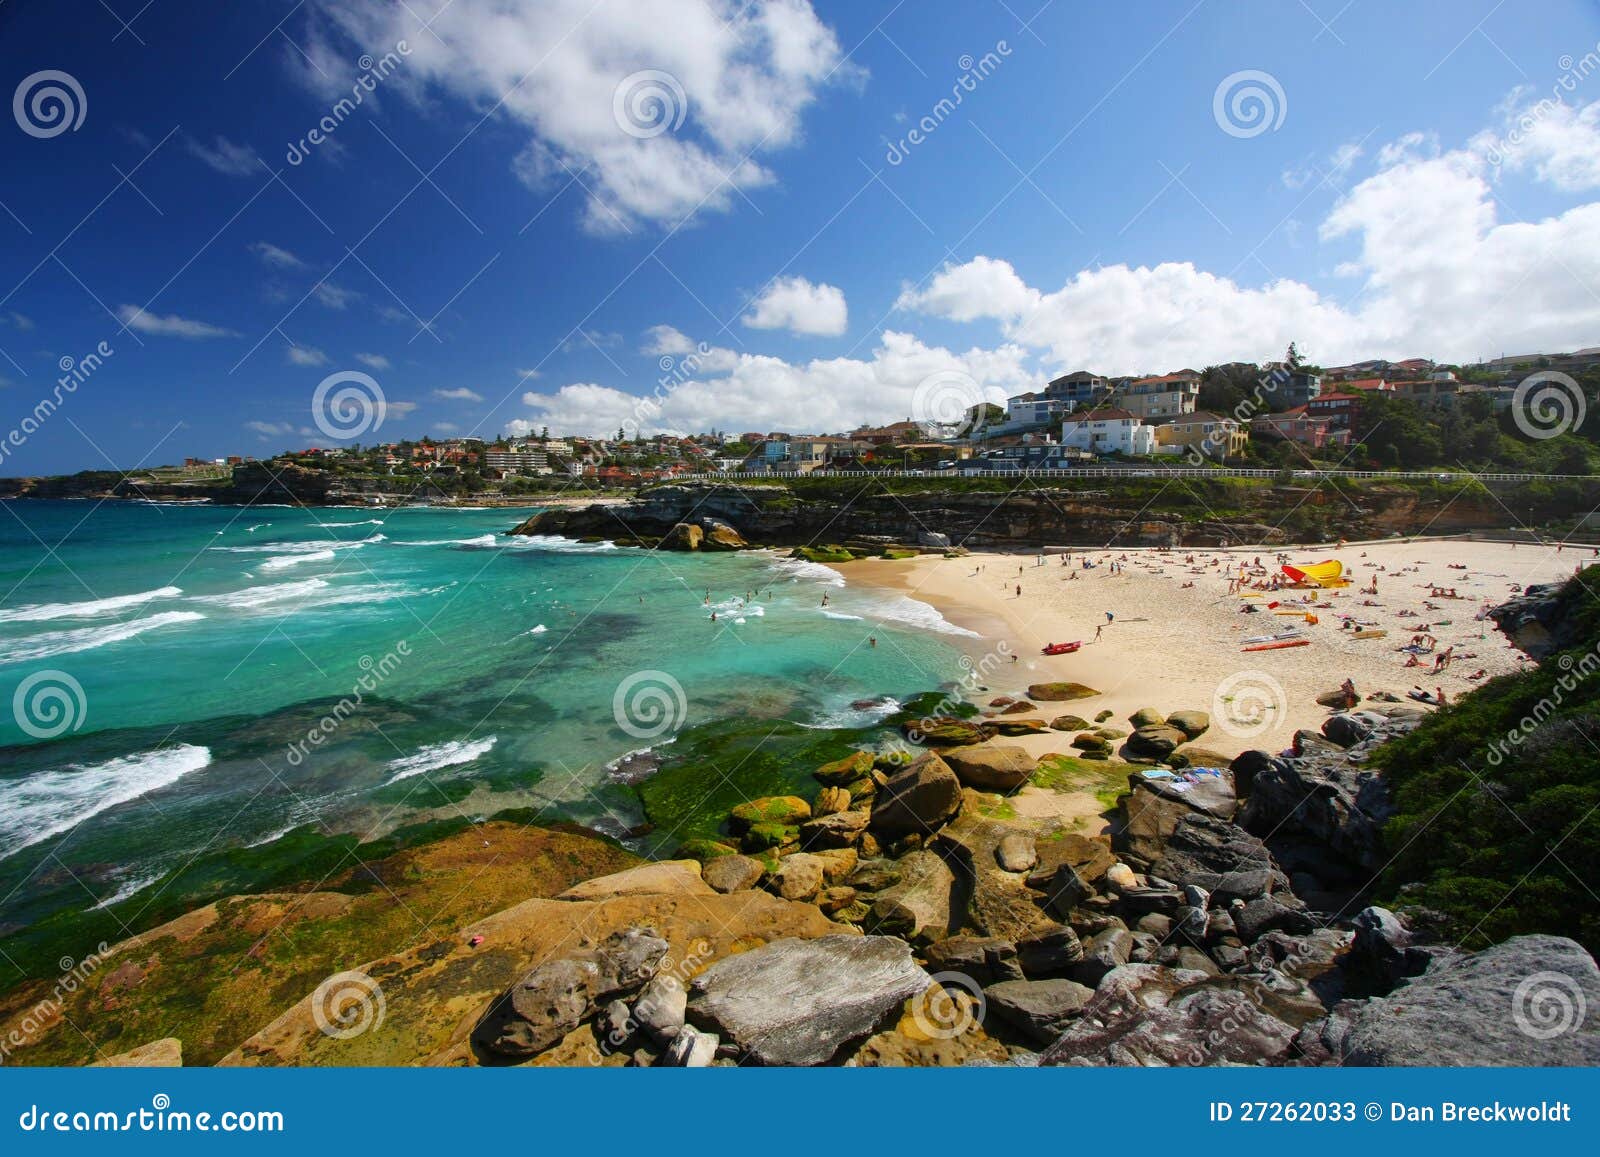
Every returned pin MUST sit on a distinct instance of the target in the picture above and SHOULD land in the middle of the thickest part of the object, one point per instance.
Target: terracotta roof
(1338, 396)
(1367, 384)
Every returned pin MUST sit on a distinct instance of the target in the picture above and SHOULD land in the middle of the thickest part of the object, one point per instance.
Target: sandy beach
(1175, 637)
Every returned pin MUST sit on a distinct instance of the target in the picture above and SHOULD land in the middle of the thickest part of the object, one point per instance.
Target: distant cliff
(867, 516)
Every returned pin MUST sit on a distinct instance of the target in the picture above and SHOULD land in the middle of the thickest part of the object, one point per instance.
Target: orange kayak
(1278, 646)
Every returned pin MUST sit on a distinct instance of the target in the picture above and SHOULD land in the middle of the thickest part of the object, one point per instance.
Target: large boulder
(1039, 1009)
(943, 731)
(1155, 741)
(718, 535)
(917, 800)
(991, 767)
(1532, 1000)
(798, 1002)
(1193, 724)
(1062, 692)
(799, 877)
(1156, 804)
(683, 536)
(166, 1053)
(981, 959)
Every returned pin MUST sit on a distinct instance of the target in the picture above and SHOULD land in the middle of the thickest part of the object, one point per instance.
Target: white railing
(1145, 472)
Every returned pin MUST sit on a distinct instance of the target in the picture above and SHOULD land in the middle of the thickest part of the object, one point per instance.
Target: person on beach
(872, 641)
(1110, 618)
(1350, 696)
(1097, 631)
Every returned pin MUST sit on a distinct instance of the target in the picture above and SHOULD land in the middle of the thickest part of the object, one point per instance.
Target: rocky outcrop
(1532, 1000)
(1537, 622)
(798, 1002)
(1156, 805)
(1329, 800)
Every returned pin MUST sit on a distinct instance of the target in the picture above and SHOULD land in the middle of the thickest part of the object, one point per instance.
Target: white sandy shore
(1175, 642)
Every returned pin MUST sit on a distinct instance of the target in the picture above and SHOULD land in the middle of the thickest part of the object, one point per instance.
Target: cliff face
(870, 517)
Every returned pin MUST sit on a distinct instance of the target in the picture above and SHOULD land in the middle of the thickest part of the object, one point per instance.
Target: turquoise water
(179, 681)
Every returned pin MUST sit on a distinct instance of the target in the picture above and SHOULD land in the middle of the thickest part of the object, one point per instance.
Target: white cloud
(304, 355)
(22, 323)
(665, 340)
(333, 296)
(169, 326)
(276, 257)
(738, 77)
(227, 157)
(795, 304)
(767, 393)
(398, 409)
(1441, 275)
(373, 361)
(527, 375)
(460, 394)
(446, 427)
(1558, 142)
(270, 429)
(591, 339)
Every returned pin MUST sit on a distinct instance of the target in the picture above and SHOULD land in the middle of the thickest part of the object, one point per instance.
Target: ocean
(199, 696)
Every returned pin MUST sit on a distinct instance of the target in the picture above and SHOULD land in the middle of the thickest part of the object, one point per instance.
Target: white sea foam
(128, 887)
(548, 542)
(799, 568)
(842, 616)
(50, 643)
(47, 803)
(311, 546)
(285, 561)
(90, 609)
(912, 613)
(847, 716)
(357, 522)
(252, 597)
(539, 630)
(439, 755)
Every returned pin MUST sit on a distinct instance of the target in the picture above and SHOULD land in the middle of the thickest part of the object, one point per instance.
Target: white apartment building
(1108, 432)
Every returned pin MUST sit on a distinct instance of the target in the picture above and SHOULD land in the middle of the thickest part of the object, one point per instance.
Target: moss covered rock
(1069, 723)
(1060, 692)
(789, 810)
(845, 771)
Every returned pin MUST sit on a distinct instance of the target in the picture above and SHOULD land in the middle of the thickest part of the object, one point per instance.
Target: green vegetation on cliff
(1499, 796)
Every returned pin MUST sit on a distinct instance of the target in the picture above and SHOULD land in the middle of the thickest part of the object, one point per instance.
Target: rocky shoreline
(906, 912)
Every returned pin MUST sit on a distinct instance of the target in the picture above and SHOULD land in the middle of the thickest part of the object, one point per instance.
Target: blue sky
(501, 239)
